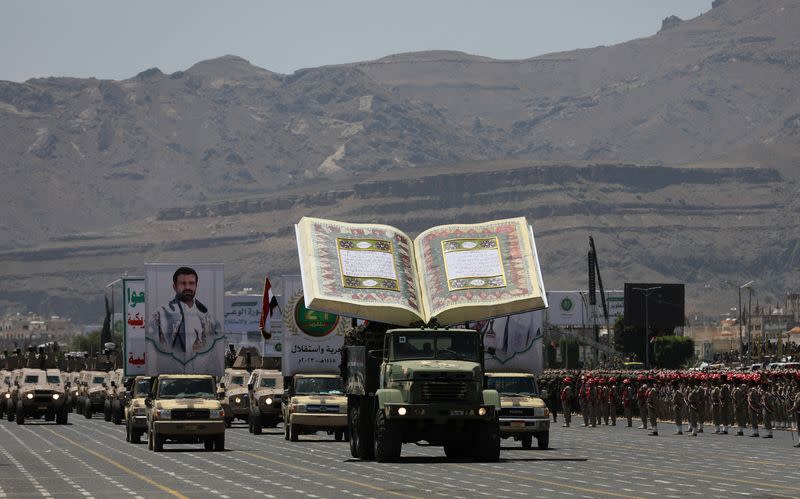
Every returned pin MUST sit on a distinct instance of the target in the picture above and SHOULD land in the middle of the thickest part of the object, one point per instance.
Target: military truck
(312, 403)
(114, 403)
(93, 392)
(523, 413)
(135, 409)
(234, 396)
(5, 390)
(183, 408)
(37, 393)
(414, 385)
(265, 388)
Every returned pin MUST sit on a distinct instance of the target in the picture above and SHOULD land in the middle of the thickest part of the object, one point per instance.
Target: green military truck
(413, 385)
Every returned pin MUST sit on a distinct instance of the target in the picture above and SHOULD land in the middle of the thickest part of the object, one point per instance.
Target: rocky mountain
(678, 151)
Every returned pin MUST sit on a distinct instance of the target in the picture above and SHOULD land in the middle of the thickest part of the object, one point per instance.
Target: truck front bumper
(321, 421)
(510, 426)
(199, 428)
(437, 413)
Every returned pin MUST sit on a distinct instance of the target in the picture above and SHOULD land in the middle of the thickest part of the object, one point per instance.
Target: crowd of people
(730, 401)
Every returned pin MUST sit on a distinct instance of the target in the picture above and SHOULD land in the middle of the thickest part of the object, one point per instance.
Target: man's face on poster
(185, 287)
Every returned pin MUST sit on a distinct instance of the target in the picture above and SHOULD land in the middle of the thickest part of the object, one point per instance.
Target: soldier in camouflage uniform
(628, 398)
(754, 406)
(566, 401)
(740, 406)
(726, 407)
(695, 402)
(613, 400)
(652, 410)
(769, 405)
(795, 409)
(602, 401)
(591, 401)
(583, 392)
(716, 406)
(641, 397)
(677, 406)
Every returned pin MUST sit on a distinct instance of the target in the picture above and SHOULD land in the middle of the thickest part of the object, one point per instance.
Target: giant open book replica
(453, 273)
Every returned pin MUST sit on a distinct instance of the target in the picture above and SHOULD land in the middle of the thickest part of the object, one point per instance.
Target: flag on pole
(269, 304)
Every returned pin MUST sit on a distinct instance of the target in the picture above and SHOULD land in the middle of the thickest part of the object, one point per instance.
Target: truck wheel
(10, 411)
(3, 406)
(338, 435)
(127, 431)
(456, 449)
(387, 440)
(20, 414)
(63, 416)
(87, 410)
(255, 422)
(489, 442)
(294, 433)
(116, 412)
(543, 441)
(149, 440)
(527, 440)
(107, 411)
(50, 415)
(136, 436)
(228, 422)
(158, 442)
(219, 443)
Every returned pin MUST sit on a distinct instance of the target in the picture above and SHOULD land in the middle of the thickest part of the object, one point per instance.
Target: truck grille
(42, 396)
(331, 409)
(190, 414)
(438, 391)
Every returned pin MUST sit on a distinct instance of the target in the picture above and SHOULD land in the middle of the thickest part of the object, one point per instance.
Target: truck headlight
(30, 396)
(56, 396)
(8, 395)
(164, 413)
(268, 401)
(237, 400)
(216, 413)
(401, 411)
(482, 411)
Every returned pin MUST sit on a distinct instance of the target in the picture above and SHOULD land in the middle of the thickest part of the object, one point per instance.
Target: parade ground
(90, 458)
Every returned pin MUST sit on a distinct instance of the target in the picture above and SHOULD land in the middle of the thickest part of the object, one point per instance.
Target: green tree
(672, 352)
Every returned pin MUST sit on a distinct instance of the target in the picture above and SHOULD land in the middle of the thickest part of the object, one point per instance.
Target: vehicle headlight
(56, 396)
(268, 401)
(237, 400)
(482, 411)
(164, 413)
(76, 393)
(216, 413)
(8, 395)
(401, 411)
(30, 396)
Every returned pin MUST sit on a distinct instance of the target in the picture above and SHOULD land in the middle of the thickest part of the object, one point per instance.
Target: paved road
(89, 458)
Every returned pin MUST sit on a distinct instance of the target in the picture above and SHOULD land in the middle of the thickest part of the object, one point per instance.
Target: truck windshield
(321, 386)
(186, 388)
(267, 383)
(98, 380)
(440, 345)
(237, 380)
(31, 378)
(54, 380)
(141, 388)
(513, 386)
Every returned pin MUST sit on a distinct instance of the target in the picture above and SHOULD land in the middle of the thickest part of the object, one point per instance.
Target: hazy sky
(113, 39)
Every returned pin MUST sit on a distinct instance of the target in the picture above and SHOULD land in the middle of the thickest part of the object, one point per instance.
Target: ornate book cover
(453, 273)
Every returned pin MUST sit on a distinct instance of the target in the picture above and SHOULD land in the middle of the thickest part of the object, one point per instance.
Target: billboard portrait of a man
(184, 308)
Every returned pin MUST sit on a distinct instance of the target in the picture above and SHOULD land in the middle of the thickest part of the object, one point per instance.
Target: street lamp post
(647, 292)
(741, 318)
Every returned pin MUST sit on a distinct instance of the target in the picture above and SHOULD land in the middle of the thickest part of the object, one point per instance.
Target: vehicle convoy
(523, 413)
(314, 402)
(413, 385)
(183, 408)
(265, 388)
(234, 395)
(135, 409)
(37, 393)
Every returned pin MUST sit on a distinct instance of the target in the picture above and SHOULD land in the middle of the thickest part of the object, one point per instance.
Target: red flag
(265, 305)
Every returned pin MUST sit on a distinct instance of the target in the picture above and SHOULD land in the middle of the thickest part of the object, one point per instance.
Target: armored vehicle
(93, 392)
(73, 390)
(182, 408)
(314, 402)
(37, 393)
(5, 390)
(265, 388)
(422, 385)
(136, 410)
(114, 404)
(523, 413)
(235, 398)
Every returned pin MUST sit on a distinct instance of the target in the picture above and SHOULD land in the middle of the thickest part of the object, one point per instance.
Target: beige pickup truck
(315, 402)
(523, 414)
(183, 408)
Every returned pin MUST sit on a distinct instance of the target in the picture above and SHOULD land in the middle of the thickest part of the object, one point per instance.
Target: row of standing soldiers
(726, 400)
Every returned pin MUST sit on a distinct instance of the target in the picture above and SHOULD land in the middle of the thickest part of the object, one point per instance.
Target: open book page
(358, 270)
(476, 271)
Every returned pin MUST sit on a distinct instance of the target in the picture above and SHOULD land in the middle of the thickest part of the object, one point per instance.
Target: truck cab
(135, 409)
(523, 413)
(423, 385)
(183, 408)
(314, 402)
(93, 394)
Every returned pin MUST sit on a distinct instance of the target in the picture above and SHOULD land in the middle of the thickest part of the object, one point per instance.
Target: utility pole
(741, 319)
(647, 292)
